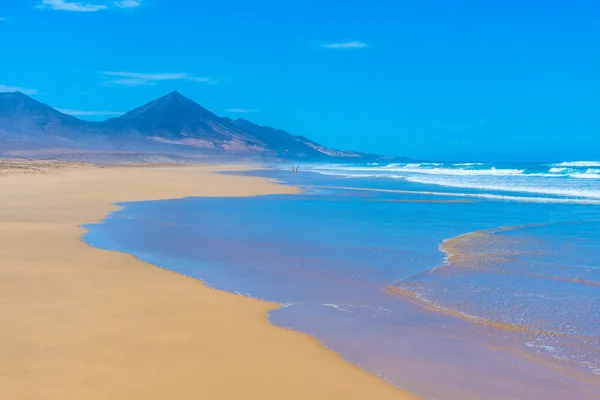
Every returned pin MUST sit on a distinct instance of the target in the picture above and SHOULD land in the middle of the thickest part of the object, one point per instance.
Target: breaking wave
(579, 164)
(515, 187)
(568, 180)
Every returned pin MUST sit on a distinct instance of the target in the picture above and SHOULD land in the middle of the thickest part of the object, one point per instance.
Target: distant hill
(172, 123)
(23, 112)
(27, 122)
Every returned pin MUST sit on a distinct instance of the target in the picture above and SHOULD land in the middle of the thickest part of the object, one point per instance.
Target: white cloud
(88, 113)
(8, 88)
(64, 5)
(149, 77)
(204, 79)
(141, 79)
(129, 82)
(345, 45)
(128, 3)
(240, 110)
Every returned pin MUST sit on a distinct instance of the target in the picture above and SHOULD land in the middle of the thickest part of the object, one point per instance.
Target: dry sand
(82, 323)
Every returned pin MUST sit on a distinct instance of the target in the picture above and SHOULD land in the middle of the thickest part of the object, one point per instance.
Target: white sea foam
(471, 172)
(393, 165)
(541, 346)
(557, 184)
(336, 307)
(508, 186)
(418, 169)
(357, 175)
(589, 173)
(469, 164)
(585, 175)
(523, 199)
(578, 164)
(557, 170)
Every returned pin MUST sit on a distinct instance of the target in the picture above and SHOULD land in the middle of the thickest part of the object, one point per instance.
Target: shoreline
(80, 322)
(569, 371)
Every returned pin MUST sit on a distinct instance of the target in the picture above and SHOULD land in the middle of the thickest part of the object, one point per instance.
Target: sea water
(463, 280)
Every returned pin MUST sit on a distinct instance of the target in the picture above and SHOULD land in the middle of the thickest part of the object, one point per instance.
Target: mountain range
(169, 124)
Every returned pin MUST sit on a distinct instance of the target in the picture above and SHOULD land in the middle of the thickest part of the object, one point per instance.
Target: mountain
(288, 145)
(169, 124)
(176, 119)
(23, 119)
(23, 112)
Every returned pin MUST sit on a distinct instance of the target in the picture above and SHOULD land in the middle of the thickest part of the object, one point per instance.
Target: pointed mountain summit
(22, 112)
(175, 118)
(171, 108)
(26, 123)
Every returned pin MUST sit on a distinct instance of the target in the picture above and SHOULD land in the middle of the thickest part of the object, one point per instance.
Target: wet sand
(82, 323)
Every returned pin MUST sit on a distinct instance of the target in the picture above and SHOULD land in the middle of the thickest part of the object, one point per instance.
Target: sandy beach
(82, 323)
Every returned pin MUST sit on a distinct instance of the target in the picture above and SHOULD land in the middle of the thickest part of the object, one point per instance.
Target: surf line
(449, 246)
(414, 298)
(522, 199)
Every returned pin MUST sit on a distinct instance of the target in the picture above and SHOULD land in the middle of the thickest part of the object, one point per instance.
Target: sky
(430, 79)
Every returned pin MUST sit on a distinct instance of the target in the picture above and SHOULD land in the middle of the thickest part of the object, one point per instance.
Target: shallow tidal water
(446, 294)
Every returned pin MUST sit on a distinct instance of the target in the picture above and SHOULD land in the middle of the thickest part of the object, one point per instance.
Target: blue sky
(503, 80)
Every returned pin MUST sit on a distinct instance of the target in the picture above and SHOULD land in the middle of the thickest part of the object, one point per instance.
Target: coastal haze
(170, 126)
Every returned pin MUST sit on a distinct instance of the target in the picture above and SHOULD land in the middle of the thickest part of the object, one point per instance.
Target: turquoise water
(484, 284)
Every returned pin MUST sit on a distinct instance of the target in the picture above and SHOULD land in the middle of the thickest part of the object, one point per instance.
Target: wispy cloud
(203, 79)
(142, 79)
(345, 45)
(82, 6)
(128, 3)
(148, 77)
(8, 88)
(240, 110)
(128, 82)
(88, 113)
(64, 5)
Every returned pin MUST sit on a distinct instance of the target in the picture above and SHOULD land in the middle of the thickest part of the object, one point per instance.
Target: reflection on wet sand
(429, 306)
(514, 278)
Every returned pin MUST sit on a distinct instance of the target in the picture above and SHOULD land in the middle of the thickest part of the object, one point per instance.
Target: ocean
(451, 280)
